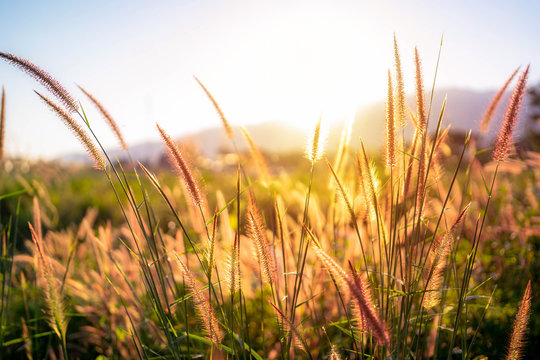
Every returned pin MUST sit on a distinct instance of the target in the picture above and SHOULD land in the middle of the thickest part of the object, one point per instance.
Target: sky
(289, 61)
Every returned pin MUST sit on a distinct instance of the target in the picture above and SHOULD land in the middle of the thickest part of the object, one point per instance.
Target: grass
(351, 256)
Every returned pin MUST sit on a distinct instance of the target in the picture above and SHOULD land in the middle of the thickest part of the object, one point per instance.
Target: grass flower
(486, 119)
(510, 118)
(44, 79)
(181, 166)
(517, 339)
(91, 149)
(107, 118)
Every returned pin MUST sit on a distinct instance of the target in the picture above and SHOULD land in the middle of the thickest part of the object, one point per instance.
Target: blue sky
(263, 60)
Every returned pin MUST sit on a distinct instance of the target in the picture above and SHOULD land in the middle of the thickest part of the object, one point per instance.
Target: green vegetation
(426, 252)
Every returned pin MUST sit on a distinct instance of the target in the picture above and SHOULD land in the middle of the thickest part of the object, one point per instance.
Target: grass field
(424, 252)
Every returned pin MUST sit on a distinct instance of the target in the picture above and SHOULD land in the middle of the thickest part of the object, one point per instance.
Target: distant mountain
(464, 111)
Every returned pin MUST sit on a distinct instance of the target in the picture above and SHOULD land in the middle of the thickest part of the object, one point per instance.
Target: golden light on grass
(505, 133)
(45, 79)
(181, 166)
(316, 142)
(486, 119)
(202, 305)
(80, 133)
(256, 232)
(341, 283)
(112, 123)
(517, 339)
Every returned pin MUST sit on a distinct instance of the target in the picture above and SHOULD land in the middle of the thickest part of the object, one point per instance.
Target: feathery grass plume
(260, 162)
(211, 247)
(315, 144)
(227, 235)
(517, 339)
(413, 149)
(344, 145)
(297, 337)
(107, 117)
(232, 268)
(420, 130)
(181, 166)
(226, 125)
(91, 149)
(343, 150)
(334, 354)
(36, 212)
(390, 126)
(44, 79)
(204, 309)
(420, 96)
(255, 231)
(363, 201)
(439, 259)
(369, 177)
(495, 102)
(359, 290)
(342, 193)
(510, 118)
(400, 87)
(2, 122)
(423, 158)
(56, 306)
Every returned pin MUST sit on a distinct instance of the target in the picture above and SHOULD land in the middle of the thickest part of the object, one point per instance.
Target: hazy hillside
(464, 111)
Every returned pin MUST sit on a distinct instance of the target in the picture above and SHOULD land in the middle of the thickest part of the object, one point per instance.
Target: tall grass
(380, 267)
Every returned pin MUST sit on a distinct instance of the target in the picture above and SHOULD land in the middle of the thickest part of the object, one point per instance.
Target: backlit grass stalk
(439, 255)
(400, 87)
(297, 337)
(56, 305)
(228, 128)
(203, 307)
(256, 232)
(357, 289)
(82, 136)
(257, 156)
(44, 79)
(505, 134)
(517, 339)
(313, 151)
(499, 155)
(488, 115)
(390, 126)
(108, 118)
(181, 166)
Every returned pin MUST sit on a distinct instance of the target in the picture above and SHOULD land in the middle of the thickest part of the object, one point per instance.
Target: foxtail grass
(505, 133)
(54, 298)
(256, 232)
(202, 305)
(315, 145)
(400, 87)
(181, 166)
(394, 250)
(257, 156)
(390, 125)
(228, 128)
(108, 118)
(44, 79)
(517, 339)
(82, 136)
(488, 115)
